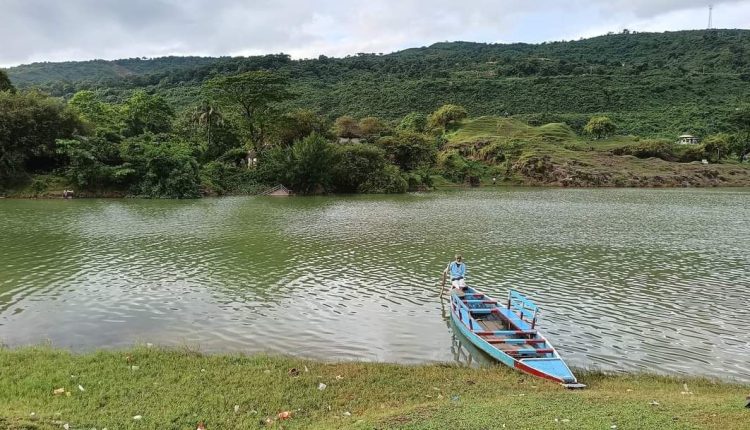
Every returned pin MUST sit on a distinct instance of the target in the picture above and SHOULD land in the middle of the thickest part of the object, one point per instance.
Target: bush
(226, 178)
(311, 165)
(414, 122)
(648, 148)
(388, 180)
(166, 167)
(409, 150)
(356, 164)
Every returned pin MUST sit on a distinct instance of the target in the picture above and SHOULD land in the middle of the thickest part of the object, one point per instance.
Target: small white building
(688, 139)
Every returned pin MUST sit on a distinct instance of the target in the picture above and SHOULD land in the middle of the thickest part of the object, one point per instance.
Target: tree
(5, 84)
(371, 127)
(446, 115)
(105, 118)
(206, 116)
(93, 162)
(164, 164)
(414, 122)
(146, 113)
(296, 125)
(255, 96)
(717, 146)
(311, 165)
(30, 123)
(740, 140)
(600, 127)
(356, 165)
(346, 127)
(409, 150)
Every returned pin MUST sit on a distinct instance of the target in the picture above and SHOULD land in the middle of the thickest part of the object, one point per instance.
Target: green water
(628, 279)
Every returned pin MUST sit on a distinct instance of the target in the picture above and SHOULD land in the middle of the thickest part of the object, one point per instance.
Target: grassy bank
(554, 155)
(166, 389)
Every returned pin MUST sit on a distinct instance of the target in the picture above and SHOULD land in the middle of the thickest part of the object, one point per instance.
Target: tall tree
(311, 165)
(296, 125)
(146, 113)
(30, 123)
(207, 116)
(5, 84)
(254, 95)
(105, 118)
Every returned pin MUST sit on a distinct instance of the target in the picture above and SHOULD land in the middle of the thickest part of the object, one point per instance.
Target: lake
(628, 279)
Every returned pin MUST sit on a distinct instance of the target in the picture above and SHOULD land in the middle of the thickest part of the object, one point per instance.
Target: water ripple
(651, 280)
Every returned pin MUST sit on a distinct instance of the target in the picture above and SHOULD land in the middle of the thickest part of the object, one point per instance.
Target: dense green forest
(466, 112)
(651, 84)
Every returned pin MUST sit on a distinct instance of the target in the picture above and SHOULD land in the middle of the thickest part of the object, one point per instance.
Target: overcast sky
(58, 30)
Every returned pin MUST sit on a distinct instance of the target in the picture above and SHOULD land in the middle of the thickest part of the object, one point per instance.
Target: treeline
(241, 137)
(236, 140)
(651, 84)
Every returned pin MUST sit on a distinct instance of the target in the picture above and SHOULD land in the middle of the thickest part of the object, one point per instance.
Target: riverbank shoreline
(57, 195)
(150, 388)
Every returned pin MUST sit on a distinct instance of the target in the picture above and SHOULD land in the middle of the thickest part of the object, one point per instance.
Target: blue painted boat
(507, 332)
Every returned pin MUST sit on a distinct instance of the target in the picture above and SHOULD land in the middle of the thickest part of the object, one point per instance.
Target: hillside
(651, 84)
(553, 154)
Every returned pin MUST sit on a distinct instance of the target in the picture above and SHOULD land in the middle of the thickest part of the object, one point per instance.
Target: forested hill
(651, 84)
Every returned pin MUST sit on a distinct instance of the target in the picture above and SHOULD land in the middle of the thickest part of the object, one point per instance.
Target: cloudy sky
(57, 30)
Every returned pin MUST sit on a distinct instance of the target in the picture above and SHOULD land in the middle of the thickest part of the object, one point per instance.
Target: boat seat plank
(506, 332)
(491, 325)
(495, 339)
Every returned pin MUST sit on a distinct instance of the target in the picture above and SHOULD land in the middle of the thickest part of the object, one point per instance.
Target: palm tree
(206, 115)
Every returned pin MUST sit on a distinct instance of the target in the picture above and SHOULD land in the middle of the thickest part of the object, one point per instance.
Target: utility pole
(710, 16)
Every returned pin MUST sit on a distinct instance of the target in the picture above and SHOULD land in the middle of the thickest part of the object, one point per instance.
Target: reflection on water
(628, 279)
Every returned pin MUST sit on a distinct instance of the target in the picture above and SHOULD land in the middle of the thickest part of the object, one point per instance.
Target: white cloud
(50, 30)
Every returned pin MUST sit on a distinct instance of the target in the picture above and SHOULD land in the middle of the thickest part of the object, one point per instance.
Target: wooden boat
(508, 334)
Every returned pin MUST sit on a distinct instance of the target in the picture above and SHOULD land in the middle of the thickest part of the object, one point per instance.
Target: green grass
(553, 154)
(173, 389)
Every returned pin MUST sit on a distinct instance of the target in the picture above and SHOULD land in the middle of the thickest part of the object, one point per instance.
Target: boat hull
(547, 365)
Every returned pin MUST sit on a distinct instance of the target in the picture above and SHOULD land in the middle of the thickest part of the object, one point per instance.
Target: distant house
(688, 139)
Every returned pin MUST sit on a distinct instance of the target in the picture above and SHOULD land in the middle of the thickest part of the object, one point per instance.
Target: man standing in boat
(457, 272)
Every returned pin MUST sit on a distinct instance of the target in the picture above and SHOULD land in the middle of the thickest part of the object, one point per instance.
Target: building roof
(686, 136)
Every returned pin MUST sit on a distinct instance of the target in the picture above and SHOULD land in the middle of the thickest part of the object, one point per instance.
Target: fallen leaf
(58, 391)
(80, 387)
(137, 417)
(284, 415)
(347, 414)
(293, 372)
(306, 369)
(339, 377)
(236, 408)
(322, 386)
(654, 403)
(201, 426)
(134, 367)
(66, 426)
